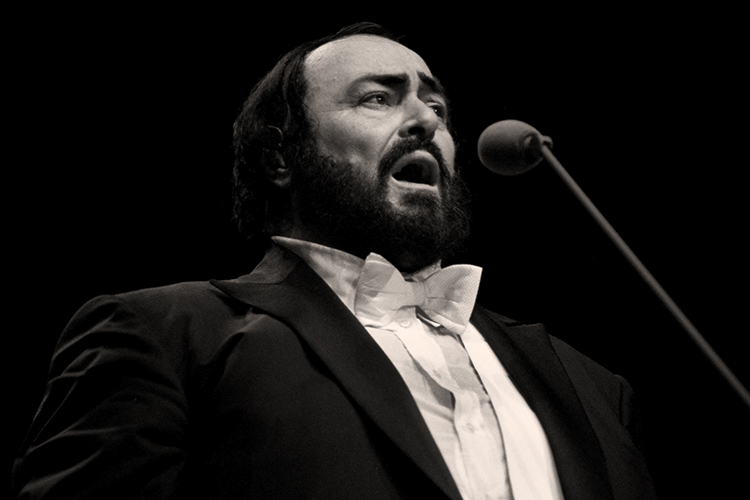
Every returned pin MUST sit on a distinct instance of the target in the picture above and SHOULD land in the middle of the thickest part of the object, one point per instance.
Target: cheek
(448, 148)
(346, 141)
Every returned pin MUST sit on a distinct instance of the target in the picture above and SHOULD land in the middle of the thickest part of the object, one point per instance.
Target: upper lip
(422, 168)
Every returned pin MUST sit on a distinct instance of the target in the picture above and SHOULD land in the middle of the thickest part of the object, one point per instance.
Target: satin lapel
(527, 354)
(286, 288)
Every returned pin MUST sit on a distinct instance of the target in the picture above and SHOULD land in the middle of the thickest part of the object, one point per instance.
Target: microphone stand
(647, 276)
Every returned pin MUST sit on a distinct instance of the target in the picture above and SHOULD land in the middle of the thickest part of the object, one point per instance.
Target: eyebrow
(433, 84)
(400, 80)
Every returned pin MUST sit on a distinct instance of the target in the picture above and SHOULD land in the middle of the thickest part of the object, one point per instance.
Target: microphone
(511, 147)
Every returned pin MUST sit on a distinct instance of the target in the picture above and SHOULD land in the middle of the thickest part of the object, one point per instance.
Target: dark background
(118, 179)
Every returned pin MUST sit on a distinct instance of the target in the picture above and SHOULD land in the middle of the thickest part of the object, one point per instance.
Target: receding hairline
(319, 52)
(348, 38)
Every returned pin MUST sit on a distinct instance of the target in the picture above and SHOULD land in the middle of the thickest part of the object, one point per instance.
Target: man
(347, 364)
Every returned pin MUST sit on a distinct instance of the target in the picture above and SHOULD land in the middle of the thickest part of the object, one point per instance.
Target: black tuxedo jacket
(268, 387)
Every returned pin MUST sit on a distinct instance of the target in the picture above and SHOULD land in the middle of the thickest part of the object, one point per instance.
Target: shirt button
(405, 323)
(470, 427)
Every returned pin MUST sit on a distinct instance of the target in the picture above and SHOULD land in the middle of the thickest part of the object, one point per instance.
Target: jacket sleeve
(113, 420)
(610, 405)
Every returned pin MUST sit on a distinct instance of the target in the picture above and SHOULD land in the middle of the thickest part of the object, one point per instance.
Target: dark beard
(352, 213)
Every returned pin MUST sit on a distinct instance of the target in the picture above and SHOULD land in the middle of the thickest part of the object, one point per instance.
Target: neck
(404, 260)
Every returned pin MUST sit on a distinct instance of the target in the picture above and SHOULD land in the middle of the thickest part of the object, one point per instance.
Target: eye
(439, 110)
(376, 99)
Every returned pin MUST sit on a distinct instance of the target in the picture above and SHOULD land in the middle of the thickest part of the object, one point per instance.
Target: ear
(275, 169)
(274, 166)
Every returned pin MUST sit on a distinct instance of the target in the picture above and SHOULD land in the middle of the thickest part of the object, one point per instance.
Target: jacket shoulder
(158, 304)
(192, 295)
(179, 321)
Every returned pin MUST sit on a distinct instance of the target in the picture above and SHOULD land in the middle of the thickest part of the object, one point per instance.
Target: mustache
(409, 145)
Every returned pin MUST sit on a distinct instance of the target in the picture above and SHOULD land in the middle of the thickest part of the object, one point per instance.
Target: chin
(426, 203)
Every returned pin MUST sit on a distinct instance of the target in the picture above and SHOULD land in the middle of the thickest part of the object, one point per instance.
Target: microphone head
(511, 147)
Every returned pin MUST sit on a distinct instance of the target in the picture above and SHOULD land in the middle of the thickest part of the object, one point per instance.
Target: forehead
(342, 61)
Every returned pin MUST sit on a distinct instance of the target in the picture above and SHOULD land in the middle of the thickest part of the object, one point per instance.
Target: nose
(421, 120)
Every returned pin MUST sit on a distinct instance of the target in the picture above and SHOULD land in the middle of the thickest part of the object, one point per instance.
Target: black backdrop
(119, 179)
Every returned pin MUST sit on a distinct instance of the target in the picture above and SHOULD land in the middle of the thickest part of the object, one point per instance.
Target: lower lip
(412, 185)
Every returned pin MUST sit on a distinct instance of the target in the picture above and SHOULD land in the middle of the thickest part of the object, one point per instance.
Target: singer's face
(377, 173)
(375, 108)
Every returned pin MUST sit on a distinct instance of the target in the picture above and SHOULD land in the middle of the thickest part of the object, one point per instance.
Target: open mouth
(419, 167)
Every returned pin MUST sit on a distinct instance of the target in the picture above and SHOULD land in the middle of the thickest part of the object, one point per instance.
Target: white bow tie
(446, 297)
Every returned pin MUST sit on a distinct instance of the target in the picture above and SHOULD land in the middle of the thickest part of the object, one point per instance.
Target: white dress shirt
(491, 441)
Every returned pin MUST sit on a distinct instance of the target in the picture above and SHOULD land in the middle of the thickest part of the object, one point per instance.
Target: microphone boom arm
(683, 320)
